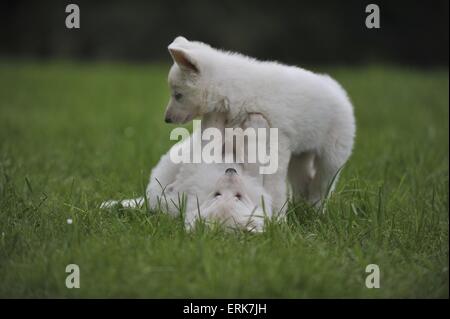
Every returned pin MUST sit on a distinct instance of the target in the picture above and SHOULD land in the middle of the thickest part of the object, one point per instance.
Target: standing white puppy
(314, 116)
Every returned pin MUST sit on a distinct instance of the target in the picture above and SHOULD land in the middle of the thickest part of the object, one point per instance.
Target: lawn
(75, 134)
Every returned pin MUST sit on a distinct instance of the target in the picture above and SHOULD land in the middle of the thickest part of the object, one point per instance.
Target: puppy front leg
(254, 121)
(214, 120)
(162, 175)
(192, 216)
(276, 183)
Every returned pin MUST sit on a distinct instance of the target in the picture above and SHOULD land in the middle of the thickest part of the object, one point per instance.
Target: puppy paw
(109, 204)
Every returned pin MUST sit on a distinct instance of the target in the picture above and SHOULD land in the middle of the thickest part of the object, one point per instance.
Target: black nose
(168, 120)
(230, 171)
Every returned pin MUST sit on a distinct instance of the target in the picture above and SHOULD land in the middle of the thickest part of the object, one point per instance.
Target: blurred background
(305, 32)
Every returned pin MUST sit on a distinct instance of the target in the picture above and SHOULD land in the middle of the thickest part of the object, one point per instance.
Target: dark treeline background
(412, 32)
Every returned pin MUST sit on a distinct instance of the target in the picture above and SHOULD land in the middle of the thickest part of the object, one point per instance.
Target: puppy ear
(183, 59)
(180, 39)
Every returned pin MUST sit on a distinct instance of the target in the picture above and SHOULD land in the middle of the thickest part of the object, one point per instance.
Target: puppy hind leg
(325, 179)
(301, 172)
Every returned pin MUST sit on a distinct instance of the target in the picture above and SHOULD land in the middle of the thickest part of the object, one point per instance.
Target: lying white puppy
(230, 194)
(312, 112)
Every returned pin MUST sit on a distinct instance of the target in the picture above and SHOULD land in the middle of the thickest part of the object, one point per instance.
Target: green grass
(72, 135)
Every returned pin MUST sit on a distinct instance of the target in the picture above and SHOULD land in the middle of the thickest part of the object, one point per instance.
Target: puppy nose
(168, 119)
(230, 171)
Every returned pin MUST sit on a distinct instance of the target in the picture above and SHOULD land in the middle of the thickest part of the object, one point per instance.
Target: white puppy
(312, 112)
(230, 194)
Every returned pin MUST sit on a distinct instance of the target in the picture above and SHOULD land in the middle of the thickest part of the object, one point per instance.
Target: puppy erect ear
(180, 39)
(182, 58)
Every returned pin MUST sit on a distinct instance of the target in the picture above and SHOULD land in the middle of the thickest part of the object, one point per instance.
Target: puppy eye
(178, 96)
(238, 196)
(217, 194)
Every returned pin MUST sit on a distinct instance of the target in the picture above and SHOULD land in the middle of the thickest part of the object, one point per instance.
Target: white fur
(312, 112)
(205, 191)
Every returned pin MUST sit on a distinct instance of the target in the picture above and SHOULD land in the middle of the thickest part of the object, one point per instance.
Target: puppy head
(185, 83)
(236, 201)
